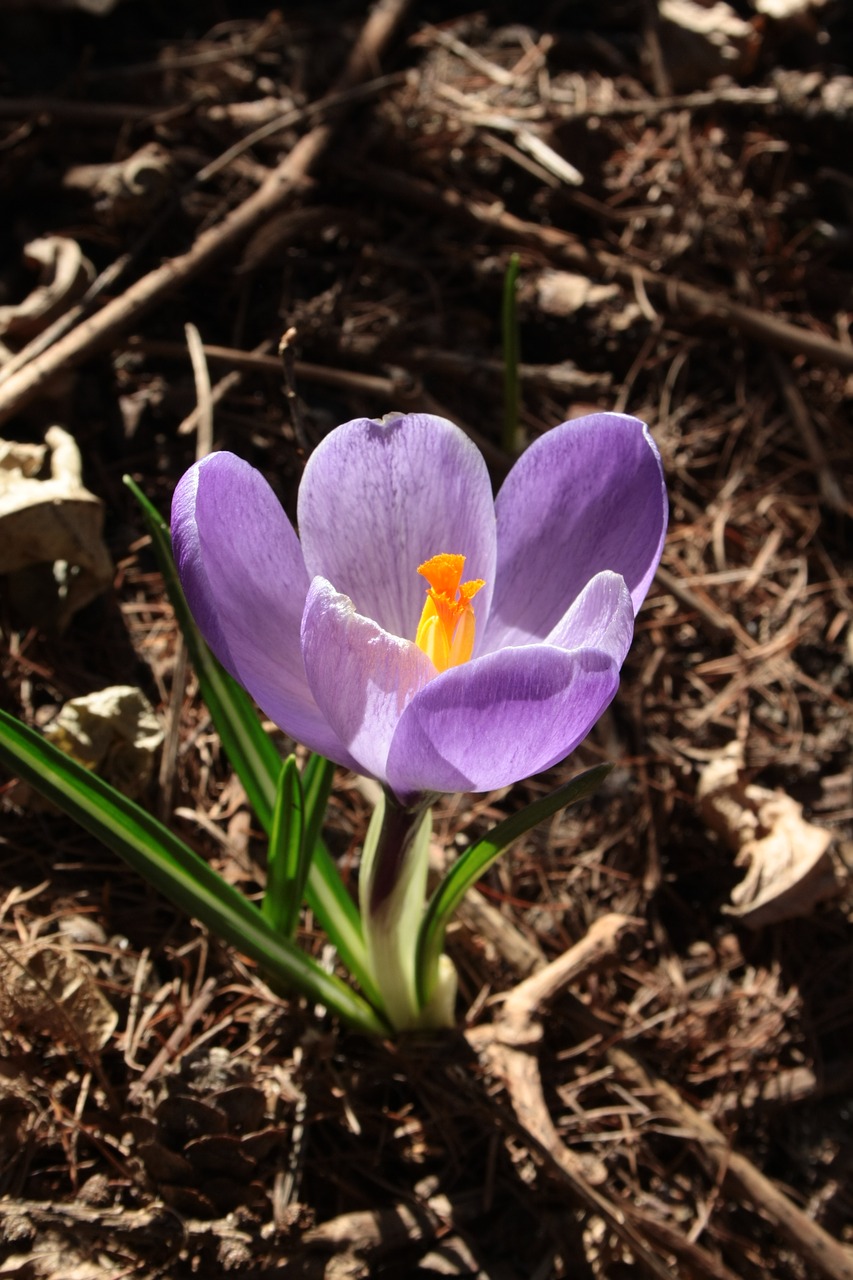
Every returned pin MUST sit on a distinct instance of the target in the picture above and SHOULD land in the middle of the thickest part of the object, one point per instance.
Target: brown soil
(678, 1099)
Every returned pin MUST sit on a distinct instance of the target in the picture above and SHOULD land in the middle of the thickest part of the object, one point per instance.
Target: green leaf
(172, 867)
(325, 891)
(317, 778)
(258, 764)
(471, 865)
(286, 869)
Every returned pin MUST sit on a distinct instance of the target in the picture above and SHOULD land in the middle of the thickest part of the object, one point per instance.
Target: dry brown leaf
(127, 190)
(48, 988)
(788, 866)
(65, 274)
(50, 531)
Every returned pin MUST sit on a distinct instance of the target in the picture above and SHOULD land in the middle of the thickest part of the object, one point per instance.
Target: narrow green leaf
(317, 778)
(286, 873)
(172, 867)
(472, 864)
(258, 764)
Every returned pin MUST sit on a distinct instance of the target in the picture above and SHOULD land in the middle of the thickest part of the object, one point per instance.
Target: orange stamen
(446, 629)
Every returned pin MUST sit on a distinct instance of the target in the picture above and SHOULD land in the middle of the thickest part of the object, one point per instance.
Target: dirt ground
(676, 1097)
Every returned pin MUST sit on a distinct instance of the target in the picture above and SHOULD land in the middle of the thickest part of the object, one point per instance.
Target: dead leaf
(65, 275)
(52, 1255)
(784, 10)
(129, 190)
(50, 531)
(561, 293)
(48, 988)
(115, 732)
(788, 869)
(701, 41)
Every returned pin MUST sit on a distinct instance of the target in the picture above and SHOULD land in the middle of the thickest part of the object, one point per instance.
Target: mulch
(652, 1073)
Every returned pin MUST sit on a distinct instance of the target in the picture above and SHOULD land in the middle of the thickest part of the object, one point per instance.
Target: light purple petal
(498, 719)
(242, 571)
(602, 617)
(362, 677)
(587, 496)
(379, 498)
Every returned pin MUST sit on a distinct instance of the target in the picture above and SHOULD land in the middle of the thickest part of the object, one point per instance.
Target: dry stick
(170, 1050)
(830, 489)
(570, 252)
(512, 1043)
(826, 1255)
(119, 314)
(203, 392)
(219, 391)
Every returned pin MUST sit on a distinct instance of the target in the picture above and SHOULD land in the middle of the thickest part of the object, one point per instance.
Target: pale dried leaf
(702, 41)
(114, 731)
(65, 274)
(787, 860)
(52, 1257)
(48, 988)
(782, 10)
(718, 21)
(126, 190)
(53, 523)
(560, 293)
(24, 459)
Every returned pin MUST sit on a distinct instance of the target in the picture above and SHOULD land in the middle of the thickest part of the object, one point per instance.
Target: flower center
(446, 629)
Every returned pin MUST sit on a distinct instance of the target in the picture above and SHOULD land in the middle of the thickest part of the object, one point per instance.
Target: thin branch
(123, 312)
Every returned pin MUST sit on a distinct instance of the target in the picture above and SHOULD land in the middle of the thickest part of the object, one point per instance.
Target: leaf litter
(672, 1094)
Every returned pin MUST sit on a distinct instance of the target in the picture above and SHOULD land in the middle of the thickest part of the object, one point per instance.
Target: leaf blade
(177, 871)
(471, 865)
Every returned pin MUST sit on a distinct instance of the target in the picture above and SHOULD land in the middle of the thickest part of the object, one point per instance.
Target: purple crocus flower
(427, 682)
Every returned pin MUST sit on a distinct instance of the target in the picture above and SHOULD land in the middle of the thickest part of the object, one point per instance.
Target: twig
(220, 390)
(569, 251)
(825, 1255)
(171, 1048)
(517, 1031)
(509, 1045)
(204, 395)
(830, 489)
(119, 314)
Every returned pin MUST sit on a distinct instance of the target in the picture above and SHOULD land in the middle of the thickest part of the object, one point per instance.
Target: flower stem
(392, 892)
(399, 827)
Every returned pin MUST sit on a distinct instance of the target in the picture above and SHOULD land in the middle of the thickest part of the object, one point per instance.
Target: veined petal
(242, 571)
(585, 497)
(380, 498)
(602, 617)
(499, 718)
(362, 677)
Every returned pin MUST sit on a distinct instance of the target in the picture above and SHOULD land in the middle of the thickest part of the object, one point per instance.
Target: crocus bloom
(417, 630)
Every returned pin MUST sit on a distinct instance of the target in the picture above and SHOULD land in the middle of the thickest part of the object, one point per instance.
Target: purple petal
(587, 496)
(362, 677)
(379, 498)
(498, 719)
(242, 571)
(601, 618)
